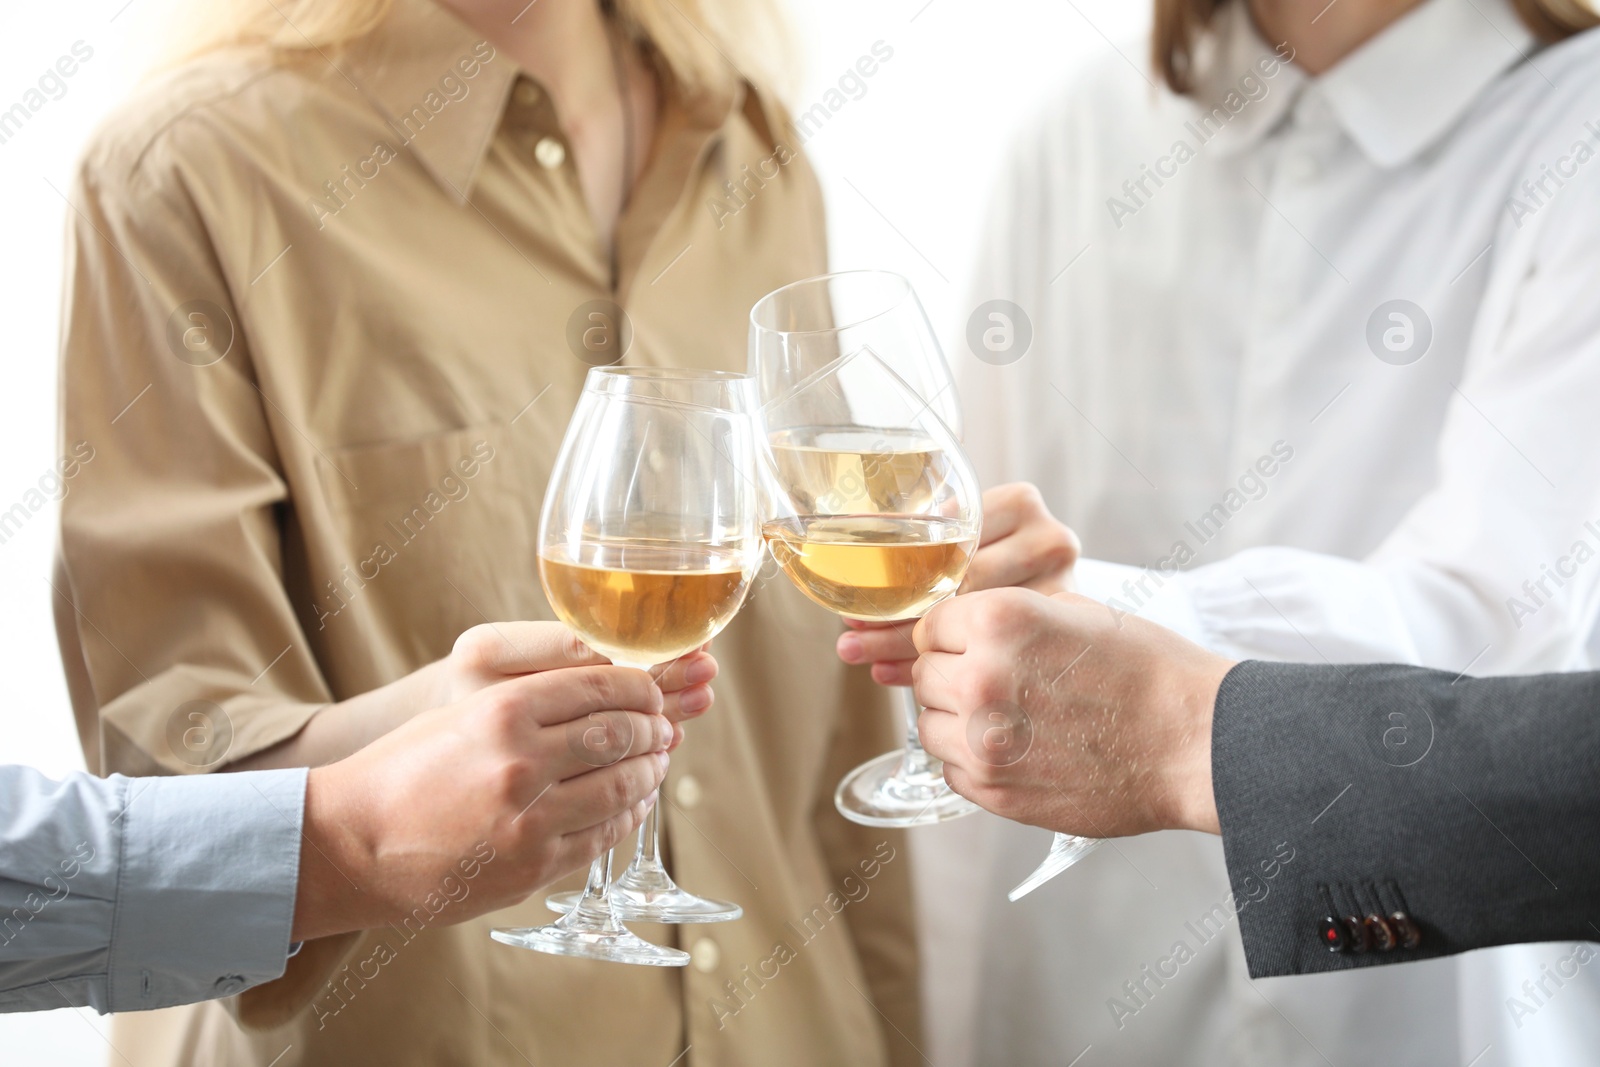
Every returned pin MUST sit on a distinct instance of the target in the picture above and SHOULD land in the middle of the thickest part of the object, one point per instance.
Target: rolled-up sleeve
(125, 894)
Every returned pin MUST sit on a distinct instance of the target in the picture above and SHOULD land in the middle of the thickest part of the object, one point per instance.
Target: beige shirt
(323, 329)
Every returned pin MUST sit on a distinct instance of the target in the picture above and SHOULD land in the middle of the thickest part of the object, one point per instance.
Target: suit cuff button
(1332, 935)
(1384, 937)
(1360, 936)
(1406, 929)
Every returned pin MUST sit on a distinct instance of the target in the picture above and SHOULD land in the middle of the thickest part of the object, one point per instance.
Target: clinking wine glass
(797, 330)
(648, 541)
(874, 512)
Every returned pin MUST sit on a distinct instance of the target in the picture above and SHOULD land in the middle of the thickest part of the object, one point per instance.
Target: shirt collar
(417, 58)
(413, 67)
(1407, 87)
(1394, 96)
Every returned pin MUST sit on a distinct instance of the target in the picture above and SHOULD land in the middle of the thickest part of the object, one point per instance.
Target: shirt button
(550, 153)
(527, 94)
(705, 955)
(229, 984)
(687, 792)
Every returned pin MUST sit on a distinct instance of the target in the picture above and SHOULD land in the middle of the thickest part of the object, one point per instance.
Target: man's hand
(1049, 711)
(520, 783)
(1023, 545)
(493, 652)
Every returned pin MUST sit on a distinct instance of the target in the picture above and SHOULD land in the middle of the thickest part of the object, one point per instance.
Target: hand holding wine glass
(1050, 711)
(397, 815)
(648, 541)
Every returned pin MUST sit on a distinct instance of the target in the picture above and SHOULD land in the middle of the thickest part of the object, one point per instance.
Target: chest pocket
(416, 540)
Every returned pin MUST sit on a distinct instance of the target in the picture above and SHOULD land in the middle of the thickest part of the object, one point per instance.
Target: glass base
(1065, 850)
(594, 937)
(878, 794)
(651, 896)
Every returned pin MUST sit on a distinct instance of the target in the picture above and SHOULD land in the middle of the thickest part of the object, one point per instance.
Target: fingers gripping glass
(872, 508)
(648, 541)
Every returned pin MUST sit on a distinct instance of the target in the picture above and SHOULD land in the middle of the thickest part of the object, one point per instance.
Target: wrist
(1189, 778)
(334, 894)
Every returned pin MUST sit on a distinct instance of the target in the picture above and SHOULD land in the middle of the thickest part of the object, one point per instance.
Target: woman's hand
(1023, 546)
(483, 657)
(493, 652)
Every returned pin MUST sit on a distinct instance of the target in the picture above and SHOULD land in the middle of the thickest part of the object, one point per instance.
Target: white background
(906, 168)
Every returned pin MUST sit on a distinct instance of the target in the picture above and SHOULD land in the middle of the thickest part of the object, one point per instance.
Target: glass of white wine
(648, 541)
(801, 328)
(873, 510)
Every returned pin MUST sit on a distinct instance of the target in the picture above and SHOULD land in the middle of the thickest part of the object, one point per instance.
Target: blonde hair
(696, 39)
(1179, 25)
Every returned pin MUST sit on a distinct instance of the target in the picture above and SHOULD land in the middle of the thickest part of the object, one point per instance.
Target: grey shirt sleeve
(125, 894)
(1349, 795)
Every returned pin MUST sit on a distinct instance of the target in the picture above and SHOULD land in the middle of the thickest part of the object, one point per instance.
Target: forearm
(1353, 792)
(348, 726)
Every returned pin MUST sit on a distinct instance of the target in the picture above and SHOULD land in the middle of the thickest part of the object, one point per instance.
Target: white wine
(858, 472)
(641, 602)
(873, 567)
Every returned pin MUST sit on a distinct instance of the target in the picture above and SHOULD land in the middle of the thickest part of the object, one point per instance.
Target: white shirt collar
(1394, 96)
(1404, 89)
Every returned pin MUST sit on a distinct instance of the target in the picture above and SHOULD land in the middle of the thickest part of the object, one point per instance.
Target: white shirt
(1220, 395)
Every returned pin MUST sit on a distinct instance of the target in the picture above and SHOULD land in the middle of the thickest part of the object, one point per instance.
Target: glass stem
(596, 899)
(917, 761)
(648, 852)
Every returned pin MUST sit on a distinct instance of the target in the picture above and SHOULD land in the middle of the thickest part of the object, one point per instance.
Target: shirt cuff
(1153, 595)
(205, 900)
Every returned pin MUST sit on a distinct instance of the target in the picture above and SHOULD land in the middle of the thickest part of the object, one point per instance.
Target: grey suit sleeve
(1469, 806)
(131, 893)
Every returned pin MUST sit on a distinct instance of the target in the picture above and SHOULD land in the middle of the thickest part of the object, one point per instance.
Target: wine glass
(648, 541)
(873, 509)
